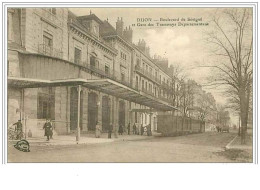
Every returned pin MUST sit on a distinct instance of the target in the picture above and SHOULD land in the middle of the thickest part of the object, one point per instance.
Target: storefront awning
(103, 85)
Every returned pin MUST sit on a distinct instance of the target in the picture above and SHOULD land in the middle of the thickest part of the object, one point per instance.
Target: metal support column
(78, 121)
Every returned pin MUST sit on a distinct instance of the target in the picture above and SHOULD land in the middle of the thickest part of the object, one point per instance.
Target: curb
(228, 146)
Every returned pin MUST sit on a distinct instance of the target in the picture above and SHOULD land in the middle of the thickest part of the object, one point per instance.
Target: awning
(144, 110)
(103, 85)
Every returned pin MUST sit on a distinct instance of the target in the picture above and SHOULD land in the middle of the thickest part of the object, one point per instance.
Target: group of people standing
(137, 129)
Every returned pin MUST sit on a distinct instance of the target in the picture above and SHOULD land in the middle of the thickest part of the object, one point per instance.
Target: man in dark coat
(19, 129)
(48, 129)
(110, 130)
(134, 129)
(142, 129)
(128, 128)
(120, 130)
(149, 130)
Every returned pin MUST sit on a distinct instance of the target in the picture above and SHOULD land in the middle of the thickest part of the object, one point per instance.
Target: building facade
(79, 70)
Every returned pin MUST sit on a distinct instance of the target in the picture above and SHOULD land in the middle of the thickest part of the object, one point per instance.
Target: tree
(232, 40)
(206, 106)
(177, 82)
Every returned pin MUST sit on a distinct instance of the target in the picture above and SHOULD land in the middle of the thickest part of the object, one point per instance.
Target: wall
(14, 105)
(36, 21)
(170, 125)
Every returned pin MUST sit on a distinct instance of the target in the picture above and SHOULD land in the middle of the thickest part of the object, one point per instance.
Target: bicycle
(15, 135)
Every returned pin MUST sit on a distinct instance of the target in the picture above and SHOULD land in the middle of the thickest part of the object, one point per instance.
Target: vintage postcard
(130, 84)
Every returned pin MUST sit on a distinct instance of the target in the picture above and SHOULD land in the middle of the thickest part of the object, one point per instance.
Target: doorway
(105, 113)
(121, 118)
(92, 111)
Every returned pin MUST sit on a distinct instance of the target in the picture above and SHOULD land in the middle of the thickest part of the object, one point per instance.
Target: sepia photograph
(130, 84)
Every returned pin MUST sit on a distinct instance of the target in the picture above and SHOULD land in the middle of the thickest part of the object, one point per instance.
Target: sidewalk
(235, 144)
(85, 139)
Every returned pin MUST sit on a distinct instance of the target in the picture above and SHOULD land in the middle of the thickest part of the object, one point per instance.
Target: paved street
(190, 148)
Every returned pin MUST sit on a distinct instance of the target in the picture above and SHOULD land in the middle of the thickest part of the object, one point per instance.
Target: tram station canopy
(103, 85)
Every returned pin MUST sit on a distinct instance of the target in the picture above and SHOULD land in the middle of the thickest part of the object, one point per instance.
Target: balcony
(148, 92)
(165, 99)
(50, 51)
(108, 74)
(166, 86)
(146, 74)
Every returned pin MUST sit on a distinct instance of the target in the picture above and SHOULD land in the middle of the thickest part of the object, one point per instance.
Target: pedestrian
(120, 130)
(149, 130)
(98, 130)
(134, 129)
(51, 134)
(110, 130)
(128, 128)
(142, 129)
(145, 130)
(19, 129)
(47, 129)
(137, 128)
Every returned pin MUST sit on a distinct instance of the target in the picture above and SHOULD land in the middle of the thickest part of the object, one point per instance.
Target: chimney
(128, 34)
(119, 26)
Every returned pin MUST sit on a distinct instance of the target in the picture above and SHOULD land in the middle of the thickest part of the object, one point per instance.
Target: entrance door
(121, 119)
(105, 113)
(92, 111)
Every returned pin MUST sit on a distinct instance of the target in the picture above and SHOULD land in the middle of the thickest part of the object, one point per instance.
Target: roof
(103, 85)
(90, 17)
(106, 29)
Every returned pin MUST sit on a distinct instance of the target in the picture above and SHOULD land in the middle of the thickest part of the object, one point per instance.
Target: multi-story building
(79, 70)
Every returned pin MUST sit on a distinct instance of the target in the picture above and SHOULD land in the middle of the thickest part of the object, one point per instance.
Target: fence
(170, 125)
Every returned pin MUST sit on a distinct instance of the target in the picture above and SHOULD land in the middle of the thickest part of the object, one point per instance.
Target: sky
(185, 46)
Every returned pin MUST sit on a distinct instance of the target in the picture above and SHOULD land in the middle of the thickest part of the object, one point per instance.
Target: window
(138, 62)
(142, 84)
(123, 56)
(92, 62)
(77, 56)
(46, 104)
(47, 43)
(106, 70)
(151, 70)
(122, 76)
(146, 85)
(146, 67)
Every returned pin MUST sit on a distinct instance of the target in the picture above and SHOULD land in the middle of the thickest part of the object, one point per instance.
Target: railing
(148, 92)
(164, 99)
(108, 74)
(147, 74)
(50, 51)
(165, 85)
(159, 96)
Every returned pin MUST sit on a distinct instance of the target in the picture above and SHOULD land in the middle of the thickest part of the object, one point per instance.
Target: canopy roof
(103, 85)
